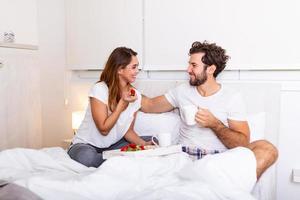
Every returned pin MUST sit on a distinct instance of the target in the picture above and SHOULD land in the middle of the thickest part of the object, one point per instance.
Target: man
(221, 122)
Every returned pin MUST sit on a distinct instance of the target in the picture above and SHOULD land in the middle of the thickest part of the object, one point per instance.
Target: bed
(51, 174)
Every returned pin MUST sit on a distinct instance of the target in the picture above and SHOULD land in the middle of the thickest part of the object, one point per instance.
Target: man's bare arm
(236, 134)
(156, 105)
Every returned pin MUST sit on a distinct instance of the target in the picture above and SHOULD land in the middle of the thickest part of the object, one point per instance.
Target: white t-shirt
(88, 132)
(224, 104)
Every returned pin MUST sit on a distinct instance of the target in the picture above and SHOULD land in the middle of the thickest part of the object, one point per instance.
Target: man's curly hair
(213, 55)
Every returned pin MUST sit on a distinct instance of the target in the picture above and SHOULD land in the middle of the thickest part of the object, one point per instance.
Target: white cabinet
(164, 31)
(96, 27)
(19, 17)
(20, 103)
(19, 46)
(256, 34)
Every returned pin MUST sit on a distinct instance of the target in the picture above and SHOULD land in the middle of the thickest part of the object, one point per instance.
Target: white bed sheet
(51, 174)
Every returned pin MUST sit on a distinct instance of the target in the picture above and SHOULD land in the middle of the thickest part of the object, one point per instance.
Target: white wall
(289, 144)
(52, 61)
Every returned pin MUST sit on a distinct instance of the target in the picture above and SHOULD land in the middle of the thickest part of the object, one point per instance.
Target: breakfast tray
(149, 152)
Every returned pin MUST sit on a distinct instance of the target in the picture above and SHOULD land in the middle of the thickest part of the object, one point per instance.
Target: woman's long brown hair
(119, 58)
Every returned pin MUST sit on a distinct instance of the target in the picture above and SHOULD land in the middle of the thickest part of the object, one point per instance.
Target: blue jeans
(91, 156)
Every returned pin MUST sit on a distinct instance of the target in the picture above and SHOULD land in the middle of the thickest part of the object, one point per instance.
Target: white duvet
(51, 174)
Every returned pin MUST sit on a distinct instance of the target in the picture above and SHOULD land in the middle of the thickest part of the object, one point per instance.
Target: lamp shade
(77, 118)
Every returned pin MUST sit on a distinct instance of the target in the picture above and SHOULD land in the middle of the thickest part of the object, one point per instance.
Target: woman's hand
(129, 96)
(122, 105)
(148, 143)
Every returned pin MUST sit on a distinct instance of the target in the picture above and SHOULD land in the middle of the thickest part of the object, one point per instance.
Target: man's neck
(209, 88)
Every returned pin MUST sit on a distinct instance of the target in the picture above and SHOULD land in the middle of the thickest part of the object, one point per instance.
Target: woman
(109, 118)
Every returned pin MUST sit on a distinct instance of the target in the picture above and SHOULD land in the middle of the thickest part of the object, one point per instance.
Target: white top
(224, 104)
(88, 132)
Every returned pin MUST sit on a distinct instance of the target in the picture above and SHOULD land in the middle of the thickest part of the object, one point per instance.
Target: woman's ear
(120, 71)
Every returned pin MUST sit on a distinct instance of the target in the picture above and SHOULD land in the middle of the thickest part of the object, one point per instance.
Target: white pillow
(148, 124)
(257, 123)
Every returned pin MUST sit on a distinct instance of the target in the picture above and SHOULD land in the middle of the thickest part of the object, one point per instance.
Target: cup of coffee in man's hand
(189, 114)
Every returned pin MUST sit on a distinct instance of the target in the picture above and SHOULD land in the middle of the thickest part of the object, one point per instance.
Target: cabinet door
(20, 18)
(259, 34)
(96, 27)
(20, 102)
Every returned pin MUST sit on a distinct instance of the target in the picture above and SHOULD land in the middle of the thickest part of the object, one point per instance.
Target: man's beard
(199, 79)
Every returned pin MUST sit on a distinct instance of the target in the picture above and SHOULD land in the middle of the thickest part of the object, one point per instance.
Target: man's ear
(211, 69)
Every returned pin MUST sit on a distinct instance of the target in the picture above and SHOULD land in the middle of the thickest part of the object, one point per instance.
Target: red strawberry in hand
(132, 92)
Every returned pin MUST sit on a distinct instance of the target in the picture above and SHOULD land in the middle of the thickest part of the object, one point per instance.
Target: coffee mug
(189, 113)
(164, 139)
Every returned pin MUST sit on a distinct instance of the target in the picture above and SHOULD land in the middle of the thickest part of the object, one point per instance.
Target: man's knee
(265, 153)
(264, 147)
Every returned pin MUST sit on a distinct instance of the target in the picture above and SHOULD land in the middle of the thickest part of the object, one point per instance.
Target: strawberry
(132, 146)
(132, 92)
(124, 148)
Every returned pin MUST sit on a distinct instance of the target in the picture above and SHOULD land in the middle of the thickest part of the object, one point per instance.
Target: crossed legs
(265, 153)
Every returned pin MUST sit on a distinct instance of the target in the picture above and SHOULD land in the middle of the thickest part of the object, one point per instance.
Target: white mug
(164, 139)
(189, 113)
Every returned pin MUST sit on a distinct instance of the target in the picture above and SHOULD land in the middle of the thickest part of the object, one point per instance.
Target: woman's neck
(123, 85)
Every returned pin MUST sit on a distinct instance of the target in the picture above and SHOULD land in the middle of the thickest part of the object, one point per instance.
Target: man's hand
(205, 118)
(237, 134)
